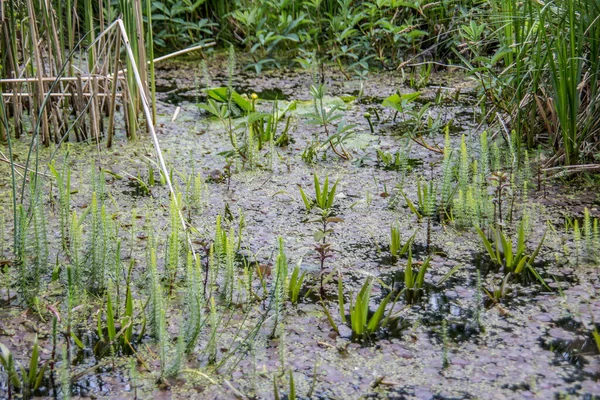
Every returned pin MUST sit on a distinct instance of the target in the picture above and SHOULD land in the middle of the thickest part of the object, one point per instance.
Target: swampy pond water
(451, 344)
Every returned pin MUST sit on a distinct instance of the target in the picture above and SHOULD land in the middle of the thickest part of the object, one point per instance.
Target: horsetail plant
(279, 291)
(195, 302)
(98, 245)
(40, 235)
(63, 183)
(174, 242)
(447, 190)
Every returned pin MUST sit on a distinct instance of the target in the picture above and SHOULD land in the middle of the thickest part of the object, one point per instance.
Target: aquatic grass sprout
(295, 284)
(397, 249)
(362, 325)
(413, 284)
(324, 196)
(512, 258)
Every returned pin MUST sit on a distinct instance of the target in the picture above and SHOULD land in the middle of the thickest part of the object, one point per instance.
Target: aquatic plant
(413, 284)
(361, 324)
(397, 249)
(447, 191)
(173, 253)
(295, 284)
(279, 291)
(99, 244)
(211, 346)
(327, 117)
(512, 258)
(322, 246)
(63, 183)
(40, 240)
(394, 162)
(194, 303)
(291, 391)
(29, 380)
(324, 197)
(496, 293)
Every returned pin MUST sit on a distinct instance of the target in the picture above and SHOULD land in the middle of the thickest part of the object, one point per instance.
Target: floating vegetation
(313, 198)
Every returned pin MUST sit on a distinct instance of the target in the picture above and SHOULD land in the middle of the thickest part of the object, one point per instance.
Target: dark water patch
(179, 96)
(167, 86)
(577, 351)
(269, 94)
(137, 188)
(569, 324)
(433, 306)
(405, 392)
(419, 251)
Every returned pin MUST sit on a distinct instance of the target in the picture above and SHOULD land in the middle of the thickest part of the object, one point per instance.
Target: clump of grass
(324, 196)
(396, 248)
(511, 258)
(413, 284)
(295, 284)
(363, 326)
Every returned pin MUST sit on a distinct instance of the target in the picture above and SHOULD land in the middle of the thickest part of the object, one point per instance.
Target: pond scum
(398, 201)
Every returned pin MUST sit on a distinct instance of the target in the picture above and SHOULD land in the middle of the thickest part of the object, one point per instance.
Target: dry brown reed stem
(39, 72)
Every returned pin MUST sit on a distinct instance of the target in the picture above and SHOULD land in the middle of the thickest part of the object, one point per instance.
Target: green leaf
(222, 94)
(521, 265)
(487, 244)
(110, 319)
(411, 206)
(128, 315)
(378, 316)
(305, 199)
(330, 318)
(507, 247)
(77, 341)
(292, 395)
(537, 250)
(408, 273)
(395, 100)
(331, 196)
(33, 363)
(317, 187)
(422, 271)
(449, 274)
(341, 299)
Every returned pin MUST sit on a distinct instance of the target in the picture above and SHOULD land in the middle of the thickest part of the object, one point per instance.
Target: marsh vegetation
(299, 199)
